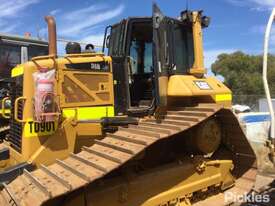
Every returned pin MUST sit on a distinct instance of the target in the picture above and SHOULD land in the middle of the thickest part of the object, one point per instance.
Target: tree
(243, 75)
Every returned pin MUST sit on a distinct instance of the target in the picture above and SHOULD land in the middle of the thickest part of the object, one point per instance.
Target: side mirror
(205, 21)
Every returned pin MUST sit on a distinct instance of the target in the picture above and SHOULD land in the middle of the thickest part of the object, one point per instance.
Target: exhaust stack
(52, 35)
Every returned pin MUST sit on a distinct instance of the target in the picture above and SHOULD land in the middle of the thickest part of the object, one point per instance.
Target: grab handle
(16, 109)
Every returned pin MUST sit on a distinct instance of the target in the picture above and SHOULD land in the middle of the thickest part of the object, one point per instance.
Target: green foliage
(243, 73)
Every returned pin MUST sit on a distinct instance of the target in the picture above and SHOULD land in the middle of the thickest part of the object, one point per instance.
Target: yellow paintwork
(43, 128)
(223, 97)
(86, 130)
(198, 65)
(162, 186)
(6, 111)
(17, 71)
(185, 85)
(86, 113)
(98, 107)
(68, 135)
(60, 145)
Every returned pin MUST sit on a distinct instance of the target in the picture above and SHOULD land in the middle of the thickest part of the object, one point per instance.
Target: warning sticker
(203, 85)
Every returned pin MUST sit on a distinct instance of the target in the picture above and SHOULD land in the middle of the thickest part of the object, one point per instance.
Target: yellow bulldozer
(141, 126)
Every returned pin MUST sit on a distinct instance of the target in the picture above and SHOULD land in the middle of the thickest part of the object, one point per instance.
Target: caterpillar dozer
(141, 126)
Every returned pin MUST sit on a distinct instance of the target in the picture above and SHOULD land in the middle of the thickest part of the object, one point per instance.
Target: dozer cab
(142, 126)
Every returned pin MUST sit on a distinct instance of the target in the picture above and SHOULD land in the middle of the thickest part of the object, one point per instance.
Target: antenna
(187, 4)
(38, 32)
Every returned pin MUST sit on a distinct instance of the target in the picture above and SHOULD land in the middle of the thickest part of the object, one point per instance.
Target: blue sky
(235, 25)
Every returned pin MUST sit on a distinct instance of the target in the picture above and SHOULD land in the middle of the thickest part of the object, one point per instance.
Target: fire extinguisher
(44, 95)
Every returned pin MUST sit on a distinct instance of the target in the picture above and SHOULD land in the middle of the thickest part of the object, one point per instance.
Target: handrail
(43, 57)
(105, 40)
(16, 110)
(265, 81)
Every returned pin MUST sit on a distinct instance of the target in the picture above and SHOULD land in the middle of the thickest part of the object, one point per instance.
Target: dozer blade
(78, 171)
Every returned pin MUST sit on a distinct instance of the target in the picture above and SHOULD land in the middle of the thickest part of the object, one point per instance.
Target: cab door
(119, 63)
(161, 57)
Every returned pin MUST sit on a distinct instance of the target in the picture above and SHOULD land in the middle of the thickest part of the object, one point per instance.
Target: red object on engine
(44, 96)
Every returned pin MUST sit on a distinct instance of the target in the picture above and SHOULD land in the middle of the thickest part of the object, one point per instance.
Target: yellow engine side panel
(188, 85)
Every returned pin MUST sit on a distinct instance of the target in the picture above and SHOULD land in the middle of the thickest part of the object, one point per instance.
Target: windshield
(183, 49)
(116, 40)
